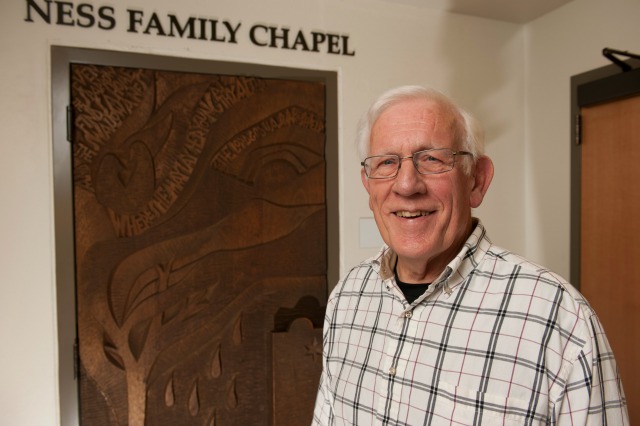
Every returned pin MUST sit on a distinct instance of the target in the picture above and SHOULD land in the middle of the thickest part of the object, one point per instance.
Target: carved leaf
(144, 285)
(138, 337)
(111, 351)
(149, 283)
(172, 312)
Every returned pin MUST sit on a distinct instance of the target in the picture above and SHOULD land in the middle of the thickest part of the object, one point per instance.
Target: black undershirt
(411, 291)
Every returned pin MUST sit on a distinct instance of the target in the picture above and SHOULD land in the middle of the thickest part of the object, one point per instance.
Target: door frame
(603, 84)
(61, 59)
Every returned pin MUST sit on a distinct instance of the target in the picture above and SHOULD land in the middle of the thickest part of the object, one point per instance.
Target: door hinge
(69, 123)
(578, 129)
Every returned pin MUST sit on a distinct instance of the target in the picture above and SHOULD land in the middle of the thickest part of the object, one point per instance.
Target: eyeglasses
(427, 162)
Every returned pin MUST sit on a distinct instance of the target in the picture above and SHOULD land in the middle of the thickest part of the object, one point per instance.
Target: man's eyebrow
(419, 149)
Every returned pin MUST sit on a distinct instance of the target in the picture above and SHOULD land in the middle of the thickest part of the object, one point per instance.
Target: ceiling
(517, 11)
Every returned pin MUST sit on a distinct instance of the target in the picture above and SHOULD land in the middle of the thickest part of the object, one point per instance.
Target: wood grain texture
(610, 225)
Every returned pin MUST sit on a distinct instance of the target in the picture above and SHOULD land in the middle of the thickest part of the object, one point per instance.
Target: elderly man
(442, 327)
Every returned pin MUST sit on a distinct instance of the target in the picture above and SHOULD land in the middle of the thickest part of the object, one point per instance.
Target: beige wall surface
(514, 78)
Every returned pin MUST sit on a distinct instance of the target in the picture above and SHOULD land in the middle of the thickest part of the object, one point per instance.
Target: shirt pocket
(457, 405)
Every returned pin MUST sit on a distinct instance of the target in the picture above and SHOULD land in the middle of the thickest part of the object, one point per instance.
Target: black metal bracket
(610, 54)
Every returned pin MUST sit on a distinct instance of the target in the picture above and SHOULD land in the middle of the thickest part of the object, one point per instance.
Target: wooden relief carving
(199, 219)
(297, 351)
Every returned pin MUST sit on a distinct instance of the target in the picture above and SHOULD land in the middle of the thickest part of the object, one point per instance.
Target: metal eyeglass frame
(413, 160)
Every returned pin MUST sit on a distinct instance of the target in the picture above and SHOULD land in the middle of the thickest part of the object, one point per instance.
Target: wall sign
(200, 28)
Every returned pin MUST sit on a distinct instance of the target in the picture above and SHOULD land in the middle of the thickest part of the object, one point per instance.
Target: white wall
(562, 44)
(482, 63)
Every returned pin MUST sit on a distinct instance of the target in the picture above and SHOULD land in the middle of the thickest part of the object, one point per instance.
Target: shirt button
(392, 371)
(408, 314)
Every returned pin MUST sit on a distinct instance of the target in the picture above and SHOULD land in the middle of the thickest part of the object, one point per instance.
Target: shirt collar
(457, 270)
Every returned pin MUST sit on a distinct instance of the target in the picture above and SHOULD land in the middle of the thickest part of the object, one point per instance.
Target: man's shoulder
(364, 270)
(524, 270)
(511, 260)
(360, 274)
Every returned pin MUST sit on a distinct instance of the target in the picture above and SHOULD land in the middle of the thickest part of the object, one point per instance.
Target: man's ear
(365, 180)
(481, 180)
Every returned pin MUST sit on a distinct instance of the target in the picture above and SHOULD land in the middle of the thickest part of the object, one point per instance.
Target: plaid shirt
(495, 340)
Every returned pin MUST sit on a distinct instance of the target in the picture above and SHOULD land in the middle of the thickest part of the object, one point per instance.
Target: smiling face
(425, 219)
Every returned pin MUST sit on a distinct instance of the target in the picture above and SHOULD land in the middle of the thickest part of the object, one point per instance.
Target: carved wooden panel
(296, 352)
(200, 227)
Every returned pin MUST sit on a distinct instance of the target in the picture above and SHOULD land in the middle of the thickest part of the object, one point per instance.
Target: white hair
(467, 132)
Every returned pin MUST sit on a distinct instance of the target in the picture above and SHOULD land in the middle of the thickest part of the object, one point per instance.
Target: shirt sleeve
(322, 410)
(593, 393)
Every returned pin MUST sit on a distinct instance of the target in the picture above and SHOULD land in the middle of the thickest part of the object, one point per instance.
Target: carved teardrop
(212, 420)
(237, 331)
(216, 364)
(232, 396)
(169, 395)
(194, 400)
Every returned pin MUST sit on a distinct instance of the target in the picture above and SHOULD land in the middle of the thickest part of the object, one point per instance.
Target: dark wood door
(610, 249)
(200, 239)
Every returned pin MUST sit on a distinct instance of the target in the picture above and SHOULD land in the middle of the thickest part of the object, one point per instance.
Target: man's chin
(412, 252)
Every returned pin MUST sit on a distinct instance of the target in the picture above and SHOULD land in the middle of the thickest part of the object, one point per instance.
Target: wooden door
(200, 246)
(610, 226)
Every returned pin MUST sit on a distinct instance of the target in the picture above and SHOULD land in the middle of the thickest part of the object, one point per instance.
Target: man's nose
(409, 181)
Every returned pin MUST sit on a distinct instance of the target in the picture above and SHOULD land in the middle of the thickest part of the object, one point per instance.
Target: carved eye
(276, 149)
(280, 162)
